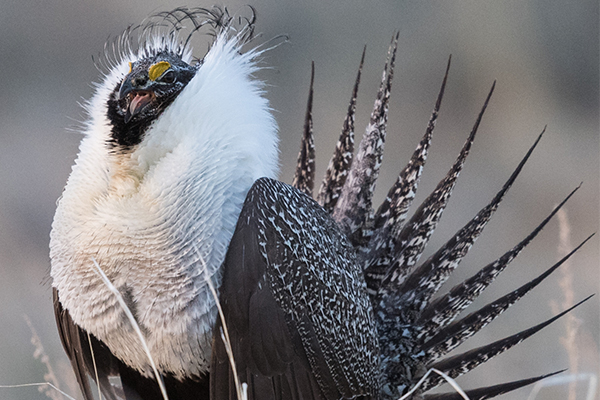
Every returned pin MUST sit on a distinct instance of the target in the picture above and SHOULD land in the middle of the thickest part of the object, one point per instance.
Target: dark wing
(90, 358)
(295, 305)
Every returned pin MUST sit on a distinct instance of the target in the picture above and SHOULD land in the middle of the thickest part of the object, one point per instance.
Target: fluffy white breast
(158, 219)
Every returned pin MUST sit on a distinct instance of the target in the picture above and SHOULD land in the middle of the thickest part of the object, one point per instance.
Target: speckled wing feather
(444, 309)
(304, 179)
(341, 161)
(391, 214)
(354, 205)
(295, 304)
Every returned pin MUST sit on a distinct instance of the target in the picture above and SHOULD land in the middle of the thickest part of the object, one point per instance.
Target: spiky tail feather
(354, 207)
(489, 391)
(443, 310)
(305, 170)
(415, 332)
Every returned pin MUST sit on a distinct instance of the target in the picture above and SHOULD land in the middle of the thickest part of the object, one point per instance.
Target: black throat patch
(125, 135)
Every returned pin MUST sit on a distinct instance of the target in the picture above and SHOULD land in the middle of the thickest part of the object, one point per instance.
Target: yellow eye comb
(156, 70)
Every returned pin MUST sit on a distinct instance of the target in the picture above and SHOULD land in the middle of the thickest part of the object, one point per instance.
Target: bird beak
(137, 100)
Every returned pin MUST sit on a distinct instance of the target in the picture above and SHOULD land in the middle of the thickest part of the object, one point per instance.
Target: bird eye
(168, 77)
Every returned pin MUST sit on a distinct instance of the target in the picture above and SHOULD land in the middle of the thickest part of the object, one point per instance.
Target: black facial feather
(128, 132)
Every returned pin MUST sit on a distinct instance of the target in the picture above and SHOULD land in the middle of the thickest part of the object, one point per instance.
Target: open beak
(137, 100)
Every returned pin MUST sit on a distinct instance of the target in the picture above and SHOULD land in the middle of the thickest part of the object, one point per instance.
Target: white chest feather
(158, 219)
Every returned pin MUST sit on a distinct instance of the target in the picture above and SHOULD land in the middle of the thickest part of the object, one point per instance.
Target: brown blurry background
(543, 54)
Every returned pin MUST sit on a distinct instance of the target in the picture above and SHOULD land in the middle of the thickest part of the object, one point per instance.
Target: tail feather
(305, 170)
(444, 310)
(456, 333)
(490, 391)
(418, 289)
(341, 161)
(462, 363)
(355, 202)
(392, 213)
(415, 332)
(416, 233)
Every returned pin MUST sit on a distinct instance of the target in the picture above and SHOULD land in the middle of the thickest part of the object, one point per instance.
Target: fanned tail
(414, 331)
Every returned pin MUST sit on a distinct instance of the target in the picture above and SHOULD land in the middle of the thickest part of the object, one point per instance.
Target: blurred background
(543, 54)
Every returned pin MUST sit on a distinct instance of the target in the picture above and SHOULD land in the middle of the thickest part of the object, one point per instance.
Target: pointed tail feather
(429, 277)
(391, 214)
(305, 170)
(444, 310)
(341, 161)
(416, 233)
(490, 391)
(354, 204)
(462, 363)
(456, 333)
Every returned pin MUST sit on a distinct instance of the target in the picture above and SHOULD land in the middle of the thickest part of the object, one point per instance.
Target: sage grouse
(173, 199)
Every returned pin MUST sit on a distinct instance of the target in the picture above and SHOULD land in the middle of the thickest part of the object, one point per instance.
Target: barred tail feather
(490, 391)
(305, 170)
(428, 278)
(456, 333)
(355, 202)
(462, 363)
(443, 310)
(416, 233)
(341, 161)
(391, 215)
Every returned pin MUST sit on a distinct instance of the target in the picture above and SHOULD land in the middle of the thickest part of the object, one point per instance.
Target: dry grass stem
(134, 323)
(447, 378)
(572, 323)
(41, 384)
(40, 354)
(94, 362)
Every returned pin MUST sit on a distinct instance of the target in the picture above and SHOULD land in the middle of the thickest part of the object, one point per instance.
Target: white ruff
(158, 220)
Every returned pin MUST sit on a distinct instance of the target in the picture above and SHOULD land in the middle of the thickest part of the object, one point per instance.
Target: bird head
(151, 85)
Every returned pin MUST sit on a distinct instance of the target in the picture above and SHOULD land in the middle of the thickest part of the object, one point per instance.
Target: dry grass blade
(572, 323)
(40, 354)
(448, 379)
(134, 323)
(38, 384)
(95, 365)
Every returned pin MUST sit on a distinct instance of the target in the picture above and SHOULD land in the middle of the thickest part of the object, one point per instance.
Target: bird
(173, 238)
